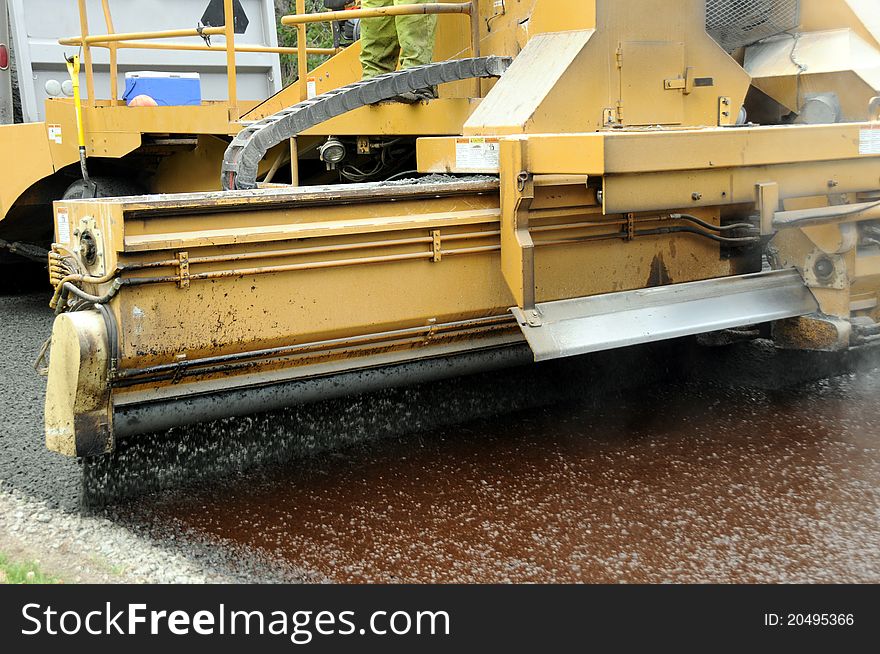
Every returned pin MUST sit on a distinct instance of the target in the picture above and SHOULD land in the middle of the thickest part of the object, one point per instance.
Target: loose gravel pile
(85, 549)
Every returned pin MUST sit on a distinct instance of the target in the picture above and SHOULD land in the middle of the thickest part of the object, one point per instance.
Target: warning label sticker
(869, 141)
(62, 223)
(55, 134)
(477, 154)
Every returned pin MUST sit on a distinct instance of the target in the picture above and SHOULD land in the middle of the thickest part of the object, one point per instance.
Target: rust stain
(659, 274)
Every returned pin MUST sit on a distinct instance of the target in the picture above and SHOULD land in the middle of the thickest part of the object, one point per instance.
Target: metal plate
(605, 322)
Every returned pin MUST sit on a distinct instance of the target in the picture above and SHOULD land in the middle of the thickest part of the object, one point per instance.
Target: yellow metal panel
(24, 149)
(650, 151)
(863, 16)
(517, 247)
(549, 154)
(645, 67)
(444, 116)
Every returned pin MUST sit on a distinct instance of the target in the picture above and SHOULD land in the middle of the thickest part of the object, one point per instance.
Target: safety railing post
(87, 52)
(302, 57)
(229, 16)
(114, 51)
(475, 42)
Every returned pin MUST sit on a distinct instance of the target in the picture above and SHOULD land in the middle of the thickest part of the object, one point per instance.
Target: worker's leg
(380, 48)
(416, 35)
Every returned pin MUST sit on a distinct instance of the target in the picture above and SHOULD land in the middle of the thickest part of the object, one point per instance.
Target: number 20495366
(809, 619)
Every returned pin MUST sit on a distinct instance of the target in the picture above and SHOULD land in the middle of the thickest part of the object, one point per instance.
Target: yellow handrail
(199, 47)
(140, 36)
(301, 19)
(140, 40)
(115, 41)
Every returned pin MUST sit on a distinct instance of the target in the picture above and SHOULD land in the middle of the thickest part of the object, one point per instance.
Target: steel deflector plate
(604, 322)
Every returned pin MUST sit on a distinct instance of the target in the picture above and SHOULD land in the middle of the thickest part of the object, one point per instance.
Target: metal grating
(737, 23)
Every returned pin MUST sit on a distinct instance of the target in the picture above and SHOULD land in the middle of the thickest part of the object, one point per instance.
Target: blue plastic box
(167, 89)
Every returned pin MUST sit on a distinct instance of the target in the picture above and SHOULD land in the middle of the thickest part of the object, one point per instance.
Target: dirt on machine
(593, 176)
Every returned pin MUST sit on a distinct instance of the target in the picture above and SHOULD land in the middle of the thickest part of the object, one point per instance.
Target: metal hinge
(619, 56)
(436, 247)
(183, 269)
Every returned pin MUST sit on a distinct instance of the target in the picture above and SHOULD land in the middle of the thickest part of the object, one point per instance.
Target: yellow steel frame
(142, 40)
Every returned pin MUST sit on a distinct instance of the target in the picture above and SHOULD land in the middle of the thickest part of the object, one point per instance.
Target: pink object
(142, 101)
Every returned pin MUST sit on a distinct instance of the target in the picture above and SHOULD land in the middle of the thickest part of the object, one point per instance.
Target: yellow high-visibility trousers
(389, 40)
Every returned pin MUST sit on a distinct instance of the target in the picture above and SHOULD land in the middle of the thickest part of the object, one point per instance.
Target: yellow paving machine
(593, 175)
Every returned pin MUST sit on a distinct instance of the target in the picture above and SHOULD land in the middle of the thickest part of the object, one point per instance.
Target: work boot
(420, 95)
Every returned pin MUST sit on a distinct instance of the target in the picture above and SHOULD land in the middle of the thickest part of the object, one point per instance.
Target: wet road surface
(679, 464)
(680, 482)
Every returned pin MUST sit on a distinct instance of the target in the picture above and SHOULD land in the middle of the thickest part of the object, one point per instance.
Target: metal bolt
(824, 268)
(696, 196)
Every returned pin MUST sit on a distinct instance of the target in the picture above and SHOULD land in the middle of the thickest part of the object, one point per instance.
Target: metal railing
(114, 41)
(301, 19)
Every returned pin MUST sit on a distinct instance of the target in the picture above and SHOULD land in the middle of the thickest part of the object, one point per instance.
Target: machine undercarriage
(607, 190)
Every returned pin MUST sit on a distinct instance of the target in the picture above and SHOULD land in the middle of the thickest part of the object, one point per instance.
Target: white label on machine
(869, 141)
(312, 87)
(62, 222)
(480, 154)
(55, 134)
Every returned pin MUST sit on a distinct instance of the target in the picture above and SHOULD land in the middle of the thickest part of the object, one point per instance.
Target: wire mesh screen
(737, 23)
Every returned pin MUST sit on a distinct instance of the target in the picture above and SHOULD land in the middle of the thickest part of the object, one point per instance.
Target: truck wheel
(108, 187)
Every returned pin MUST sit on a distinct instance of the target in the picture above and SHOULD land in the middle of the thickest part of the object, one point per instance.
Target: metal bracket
(823, 270)
(767, 201)
(532, 318)
(183, 269)
(684, 84)
(88, 234)
(609, 117)
(436, 247)
(725, 112)
(630, 227)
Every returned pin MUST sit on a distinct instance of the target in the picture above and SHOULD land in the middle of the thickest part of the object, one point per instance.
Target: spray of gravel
(226, 448)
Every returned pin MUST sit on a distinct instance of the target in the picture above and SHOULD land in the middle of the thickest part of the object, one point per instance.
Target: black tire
(108, 187)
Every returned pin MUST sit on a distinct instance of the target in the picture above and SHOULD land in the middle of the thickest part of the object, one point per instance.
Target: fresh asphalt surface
(671, 462)
(25, 323)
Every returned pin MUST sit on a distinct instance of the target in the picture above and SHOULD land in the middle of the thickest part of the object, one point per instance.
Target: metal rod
(304, 359)
(114, 61)
(322, 249)
(199, 47)
(280, 160)
(302, 18)
(347, 342)
(161, 414)
(232, 81)
(475, 43)
(302, 60)
(294, 162)
(87, 53)
(86, 39)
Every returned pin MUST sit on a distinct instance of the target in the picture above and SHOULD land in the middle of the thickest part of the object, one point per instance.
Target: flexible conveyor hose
(243, 156)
